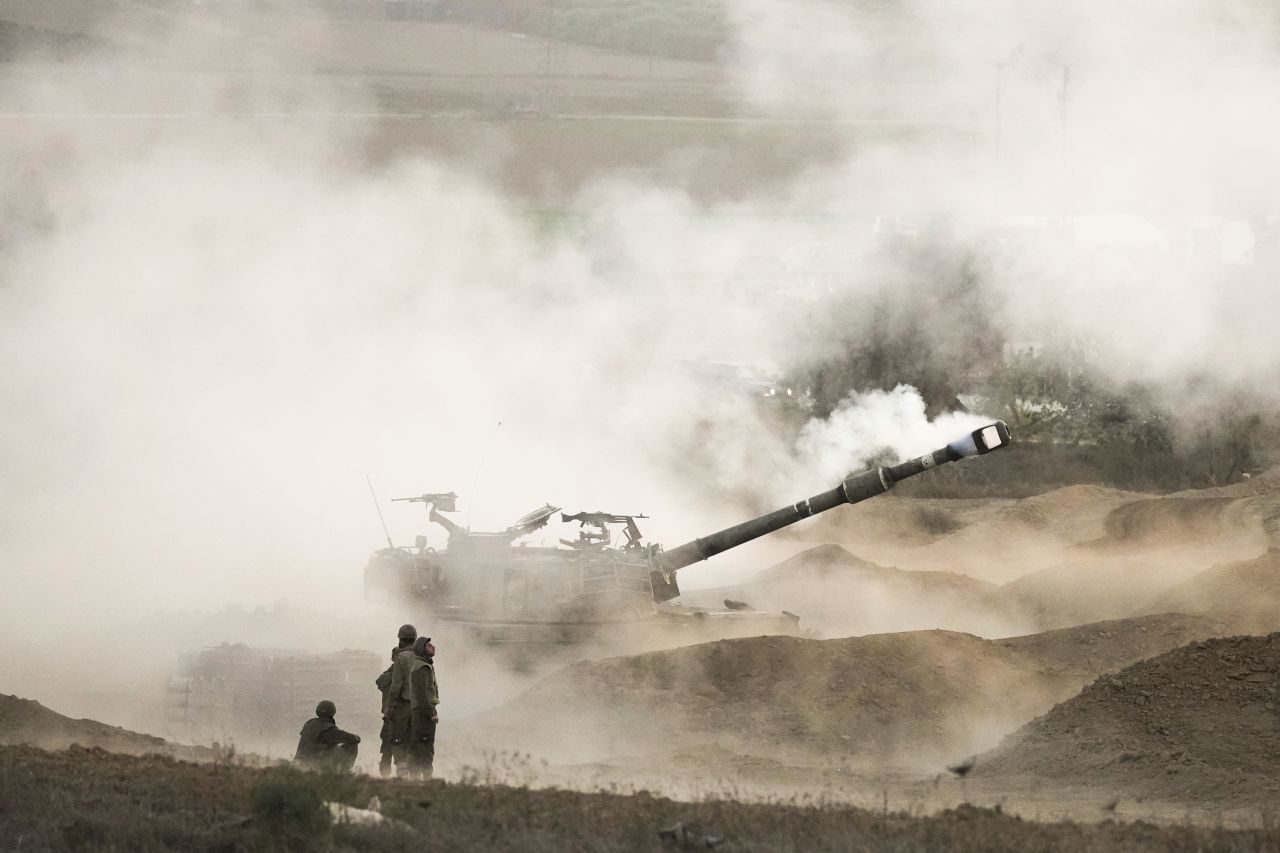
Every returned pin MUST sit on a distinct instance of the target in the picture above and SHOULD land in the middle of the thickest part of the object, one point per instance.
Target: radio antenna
(378, 508)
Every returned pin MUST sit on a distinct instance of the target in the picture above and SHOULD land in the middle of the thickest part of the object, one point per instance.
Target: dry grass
(92, 800)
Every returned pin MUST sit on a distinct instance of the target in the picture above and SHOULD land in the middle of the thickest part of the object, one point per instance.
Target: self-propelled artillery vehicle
(504, 591)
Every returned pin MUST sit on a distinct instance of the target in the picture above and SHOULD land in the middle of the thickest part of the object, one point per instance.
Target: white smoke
(875, 424)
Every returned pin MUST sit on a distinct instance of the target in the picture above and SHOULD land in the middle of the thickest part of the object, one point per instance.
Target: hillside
(1070, 556)
(996, 540)
(909, 700)
(24, 721)
(1200, 723)
(1248, 591)
(1095, 584)
(91, 800)
(1083, 652)
(838, 594)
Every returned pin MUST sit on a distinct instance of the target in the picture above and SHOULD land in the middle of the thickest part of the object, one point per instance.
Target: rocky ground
(1198, 724)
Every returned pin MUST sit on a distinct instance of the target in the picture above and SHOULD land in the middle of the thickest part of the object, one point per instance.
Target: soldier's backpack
(383, 682)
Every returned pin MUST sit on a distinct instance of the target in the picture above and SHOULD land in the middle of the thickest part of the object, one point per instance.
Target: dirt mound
(1000, 539)
(823, 562)
(907, 522)
(1083, 652)
(1029, 527)
(1069, 514)
(902, 698)
(1147, 548)
(1098, 585)
(24, 721)
(907, 700)
(1184, 517)
(1200, 723)
(1247, 591)
(834, 563)
(1266, 483)
(1245, 510)
(1072, 513)
(838, 594)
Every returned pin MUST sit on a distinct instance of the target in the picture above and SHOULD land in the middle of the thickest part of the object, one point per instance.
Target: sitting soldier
(324, 746)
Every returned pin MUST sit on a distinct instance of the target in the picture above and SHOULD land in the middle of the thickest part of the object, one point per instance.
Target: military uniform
(393, 735)
(424, 697)
(397, 708)
(324, 746)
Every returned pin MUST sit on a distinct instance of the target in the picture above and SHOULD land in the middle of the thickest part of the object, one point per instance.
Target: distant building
(257, 698)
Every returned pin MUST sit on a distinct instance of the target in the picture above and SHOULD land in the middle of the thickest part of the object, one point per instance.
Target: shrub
(288, 810)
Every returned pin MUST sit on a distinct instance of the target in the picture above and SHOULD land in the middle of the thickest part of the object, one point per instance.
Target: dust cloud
(219, 313)
(1113, 149)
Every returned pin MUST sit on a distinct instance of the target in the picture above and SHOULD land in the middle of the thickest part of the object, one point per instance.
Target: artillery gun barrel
(857, 488)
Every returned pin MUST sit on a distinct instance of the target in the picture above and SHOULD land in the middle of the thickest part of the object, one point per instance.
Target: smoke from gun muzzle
(982, 440)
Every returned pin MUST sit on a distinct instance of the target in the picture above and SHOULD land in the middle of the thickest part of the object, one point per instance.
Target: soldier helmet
(407, 632)
(325, 708)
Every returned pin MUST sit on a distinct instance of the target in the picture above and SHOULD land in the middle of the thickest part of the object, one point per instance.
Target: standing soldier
(396, 705)
(324, 746)
(425, 696)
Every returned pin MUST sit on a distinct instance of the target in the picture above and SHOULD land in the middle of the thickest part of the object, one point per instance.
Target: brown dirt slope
(904, 698)
(1191, 517)
(993, 539)
(838, 594)
(1200, 723)
(24, 721)
(1095, 585)
(1001, 540)
(910, 700)
(1248, 592)
(902, 520)
(832, 562)
(1084, 652)
(1266, 483)
(1068, 514)
(1071, 513)
(1250, 506)
(1148, 547)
